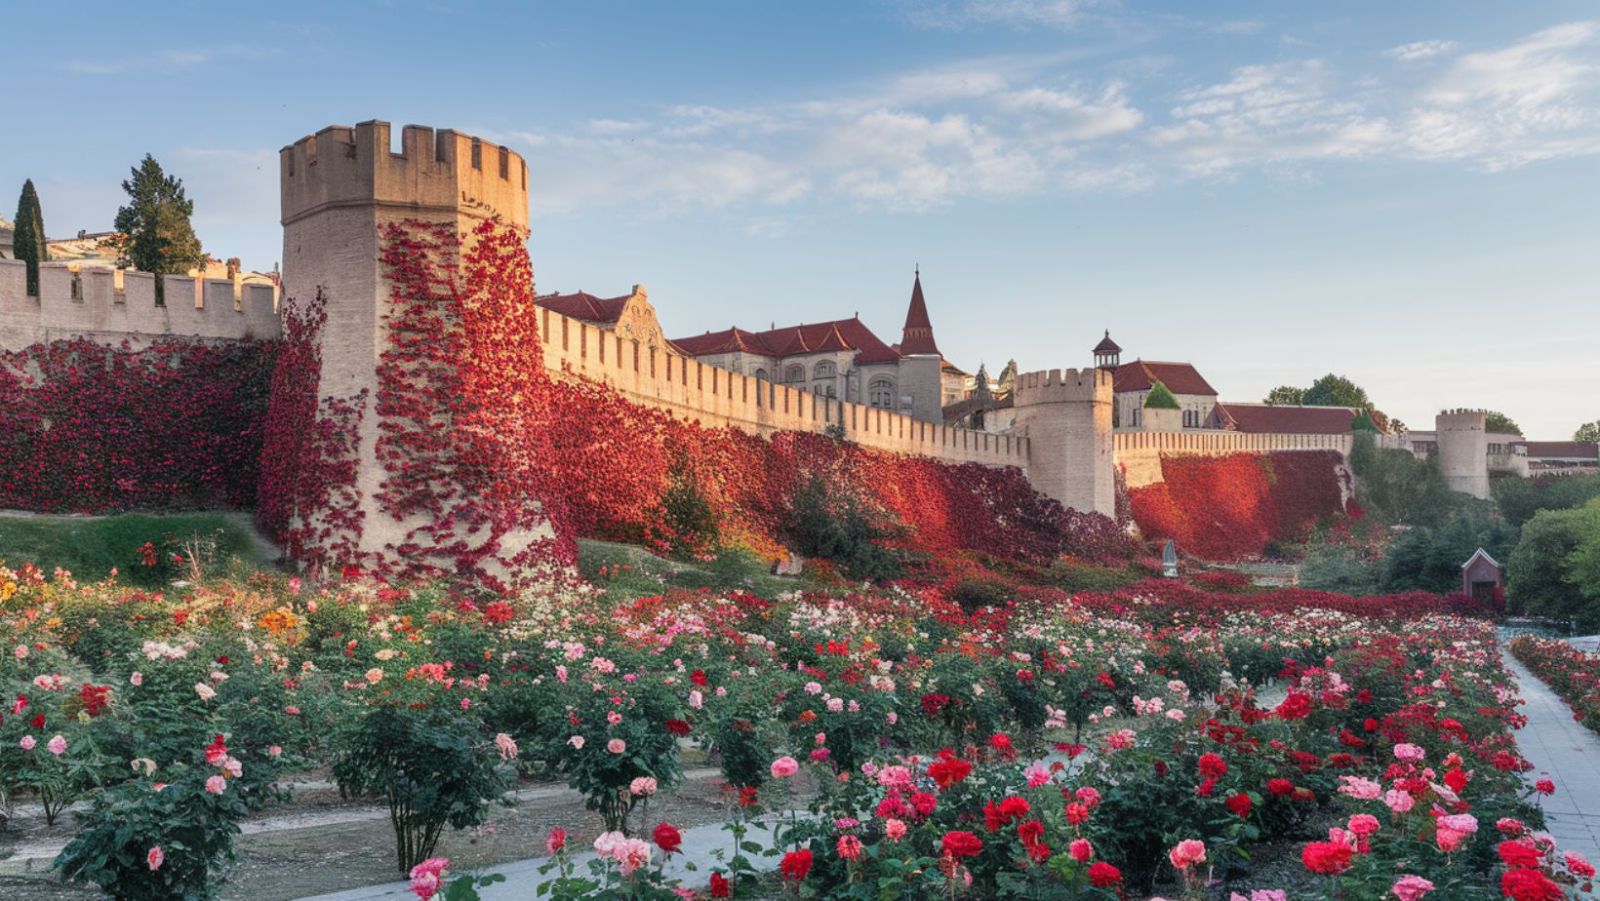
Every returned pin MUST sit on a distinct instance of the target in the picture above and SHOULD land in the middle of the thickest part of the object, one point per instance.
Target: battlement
(1063, 386)
(434, 175)
(115, 305)
(1461, 419)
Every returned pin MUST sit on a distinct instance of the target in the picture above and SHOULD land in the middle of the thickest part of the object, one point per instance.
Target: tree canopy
(1589, 431)
(160, 238)
(1495, 421)
(28, 241)
(1336, 391)
(1286, 395)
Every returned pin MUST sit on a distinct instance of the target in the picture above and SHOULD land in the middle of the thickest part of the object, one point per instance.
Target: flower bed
(923, 730)
(1233, 506)
(1571, 673)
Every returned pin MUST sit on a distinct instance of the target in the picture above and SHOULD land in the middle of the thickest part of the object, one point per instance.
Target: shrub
(975, 594)
(432, 768)
(1541, 577)
(1340, 568)
(1160, 398)
(839, 527)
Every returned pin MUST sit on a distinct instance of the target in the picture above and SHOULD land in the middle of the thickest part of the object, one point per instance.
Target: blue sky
(1405, 193)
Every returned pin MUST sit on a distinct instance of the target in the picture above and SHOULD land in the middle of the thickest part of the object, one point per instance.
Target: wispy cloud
(1420, 50)
(1003, 126)
(170, 60)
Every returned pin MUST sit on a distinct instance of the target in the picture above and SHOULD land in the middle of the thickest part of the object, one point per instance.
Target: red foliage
(1224, 508)
(90, 428)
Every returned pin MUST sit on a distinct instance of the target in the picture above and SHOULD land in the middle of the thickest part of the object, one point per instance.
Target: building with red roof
(629, 315)
(1283, 419)
(844, 358)
(1132, 383)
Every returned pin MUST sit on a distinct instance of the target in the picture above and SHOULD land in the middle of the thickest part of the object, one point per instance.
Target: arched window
(760, 373)
(824, 370)
(795, 373)
(880, 393)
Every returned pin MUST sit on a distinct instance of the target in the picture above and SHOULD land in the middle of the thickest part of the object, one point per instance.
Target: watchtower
(1463, 438)
(339, 188)
(1066, 416)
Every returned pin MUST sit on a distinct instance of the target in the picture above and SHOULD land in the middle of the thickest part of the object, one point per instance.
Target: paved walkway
(1566, 752)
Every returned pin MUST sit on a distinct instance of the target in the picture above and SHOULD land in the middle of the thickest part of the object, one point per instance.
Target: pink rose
(1187, 853)
(1410, 888)
(57, 746)
(27, 742)
(784, 767)
(616, 746)
(136, 680)
(216, 784)
(1399, 801)
(1409, 753)
(894, 829)
(155, 858)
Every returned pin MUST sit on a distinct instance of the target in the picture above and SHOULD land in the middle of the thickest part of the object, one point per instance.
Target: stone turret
(1066, 416)
(340, 187)
(1464, 450)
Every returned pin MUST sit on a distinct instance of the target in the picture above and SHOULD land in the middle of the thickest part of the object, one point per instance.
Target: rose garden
(968, 690)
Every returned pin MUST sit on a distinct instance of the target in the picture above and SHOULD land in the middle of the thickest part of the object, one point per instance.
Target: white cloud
(1420, 50)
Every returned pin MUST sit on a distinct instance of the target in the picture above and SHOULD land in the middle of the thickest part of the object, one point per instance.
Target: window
(880, 393)
(825, 370)
(760, 373)
(1136, 416)
(795, 373)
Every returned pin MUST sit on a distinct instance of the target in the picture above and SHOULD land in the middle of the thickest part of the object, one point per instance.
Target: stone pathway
(1566, 752)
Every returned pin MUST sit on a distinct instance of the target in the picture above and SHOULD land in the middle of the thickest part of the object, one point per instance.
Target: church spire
(917, 337)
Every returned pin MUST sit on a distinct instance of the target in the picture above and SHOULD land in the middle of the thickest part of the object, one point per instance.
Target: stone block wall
(1139, 454)
(113, 305)
(1065, 414)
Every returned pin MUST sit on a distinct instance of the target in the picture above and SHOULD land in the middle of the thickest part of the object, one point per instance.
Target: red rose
(720, 886)
(1030, 832)
(667, 838)
(1517, 854)
(1103, 875)
(1239, 804)
(959, 844)
(1213, 766)
(796, 864)
(947, 771)
(1327, 858)
(1280, 787)
(1545, 787)
(1297, 706)
(698, 677)
(1525, 884)
(677, 727)
(932, 703)
(924, 803)
(1002, 744)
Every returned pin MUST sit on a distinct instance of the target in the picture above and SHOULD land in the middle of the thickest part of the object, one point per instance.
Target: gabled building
(629, 315)
(1560, 458)
(1132, 383)
(845, 359)
(1283, 419)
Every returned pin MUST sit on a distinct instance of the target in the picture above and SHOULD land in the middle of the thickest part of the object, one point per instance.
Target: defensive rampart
(660, 377)
(1139, 454)
(113, 305)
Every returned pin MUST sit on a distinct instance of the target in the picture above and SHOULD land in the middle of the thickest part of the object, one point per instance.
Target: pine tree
(160, 238)
(28, 241)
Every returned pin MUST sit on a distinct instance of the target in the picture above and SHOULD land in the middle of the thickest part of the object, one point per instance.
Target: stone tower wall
(340, 187)
(1066, 416)
(920, 379)
(1463, 438)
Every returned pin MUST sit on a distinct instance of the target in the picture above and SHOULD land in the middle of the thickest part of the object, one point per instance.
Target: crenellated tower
(340, 188)
(1066, 416)
(1463, 437)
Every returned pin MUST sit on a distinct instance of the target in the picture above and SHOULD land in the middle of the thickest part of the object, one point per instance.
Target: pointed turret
(917, 337)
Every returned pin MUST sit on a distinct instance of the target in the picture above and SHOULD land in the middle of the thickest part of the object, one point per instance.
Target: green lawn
(91, 546)
(627, 572)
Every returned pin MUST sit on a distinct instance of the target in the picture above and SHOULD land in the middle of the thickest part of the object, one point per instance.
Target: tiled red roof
(917, 336)
(1583, 450)
(1180, 378)
(1106, 345)
(1285, 420)
(815, 337)
(585, 306)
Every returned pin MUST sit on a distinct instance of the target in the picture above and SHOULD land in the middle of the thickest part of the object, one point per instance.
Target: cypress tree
(28, 242)
(161, 239)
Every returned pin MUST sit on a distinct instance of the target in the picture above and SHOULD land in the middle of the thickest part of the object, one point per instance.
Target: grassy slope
(91, 546)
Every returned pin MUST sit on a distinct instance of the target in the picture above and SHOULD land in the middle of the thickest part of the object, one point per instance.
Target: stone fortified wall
(716, 397)
(112, 306)
(1139, 454)
(1065, 414)
(1463, 437)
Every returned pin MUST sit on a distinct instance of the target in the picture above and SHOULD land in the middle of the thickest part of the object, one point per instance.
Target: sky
(1407, 194)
